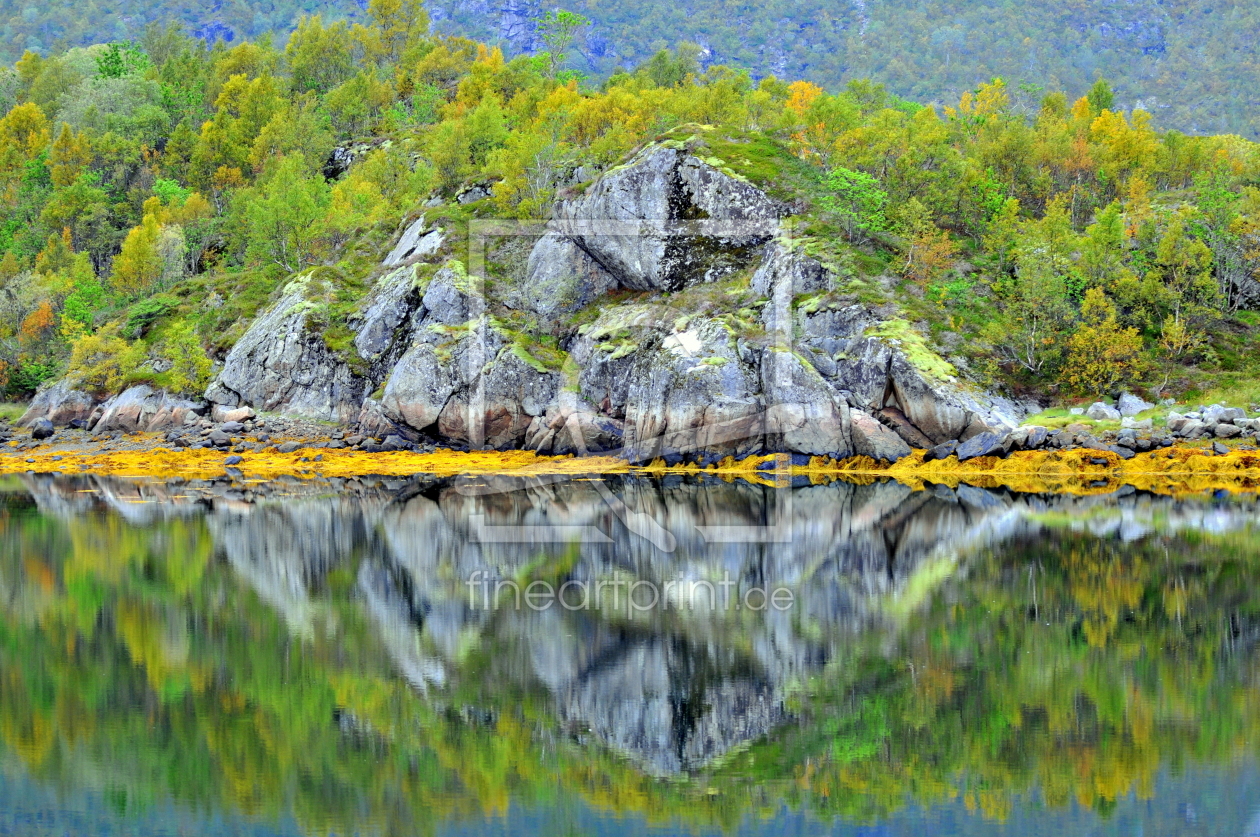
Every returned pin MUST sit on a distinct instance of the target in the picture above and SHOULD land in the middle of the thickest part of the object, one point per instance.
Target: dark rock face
(434, 357)
(982, 444)
(42, 428)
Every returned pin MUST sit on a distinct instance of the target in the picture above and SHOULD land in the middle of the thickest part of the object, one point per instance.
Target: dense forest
(1186, 61)
(154, 193)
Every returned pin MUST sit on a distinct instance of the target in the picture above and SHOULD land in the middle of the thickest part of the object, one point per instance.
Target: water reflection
(317, 649)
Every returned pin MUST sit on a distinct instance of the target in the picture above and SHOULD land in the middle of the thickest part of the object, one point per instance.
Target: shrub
(144, 313)
(190, 366)
(104, 361)
(1101, 353)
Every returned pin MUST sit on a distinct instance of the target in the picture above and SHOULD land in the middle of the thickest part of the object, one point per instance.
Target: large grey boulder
(1226, 431)
(42, 428)
(982, 444)
(61, 403)
(870, 438)
(496, 410)
(803, 413)
(1098, 411)
(462, 378)
(1217, 413)
(1130, 405)
(443, 355)
(142, 409)
(691, 395)
(419, 387)
(661, 188)
(1191, 429)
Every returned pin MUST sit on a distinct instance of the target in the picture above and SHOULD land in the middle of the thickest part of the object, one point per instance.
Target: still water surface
(306, 658)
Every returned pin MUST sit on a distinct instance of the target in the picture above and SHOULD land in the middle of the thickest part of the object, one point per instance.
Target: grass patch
(914, 347)
(11, 412)
(765, 163)
(1233, 390)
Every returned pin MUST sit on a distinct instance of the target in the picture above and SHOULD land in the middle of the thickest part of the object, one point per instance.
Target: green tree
(1100, 97)
(121, 59)
(319, 56)
(283, 215)
(858, 200)
(558, 28)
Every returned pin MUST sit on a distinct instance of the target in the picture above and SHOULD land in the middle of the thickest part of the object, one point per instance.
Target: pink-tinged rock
(61, 404)
(142, 409)
(222, 414)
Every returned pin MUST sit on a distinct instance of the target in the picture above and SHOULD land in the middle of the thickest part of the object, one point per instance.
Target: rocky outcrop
(142, 409)
(62, 404)
(417, 242)
(437, 357)
(632, 220)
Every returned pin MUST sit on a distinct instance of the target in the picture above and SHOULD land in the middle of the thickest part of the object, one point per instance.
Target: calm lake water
(624, 656)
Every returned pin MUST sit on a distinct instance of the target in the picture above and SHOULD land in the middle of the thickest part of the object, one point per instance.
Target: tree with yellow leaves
(138, 266)
(1102, 354)
(397, 32)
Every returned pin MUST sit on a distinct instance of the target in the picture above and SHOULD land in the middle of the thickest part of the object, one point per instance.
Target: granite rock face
(563, 278)
(432, 354)
(282, 364)
(144, 409)
(631, 220)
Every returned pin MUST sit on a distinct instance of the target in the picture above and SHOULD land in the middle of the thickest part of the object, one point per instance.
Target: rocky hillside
(666, 312)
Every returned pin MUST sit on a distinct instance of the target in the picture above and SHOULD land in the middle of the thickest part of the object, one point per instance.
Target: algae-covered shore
(1176, 471)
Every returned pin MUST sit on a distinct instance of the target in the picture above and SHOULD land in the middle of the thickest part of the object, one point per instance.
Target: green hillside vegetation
(153, 196)
(1187, 61)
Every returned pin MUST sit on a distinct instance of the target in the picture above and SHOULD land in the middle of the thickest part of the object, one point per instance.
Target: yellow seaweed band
(1178, 470)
